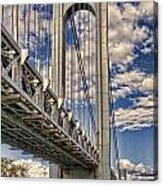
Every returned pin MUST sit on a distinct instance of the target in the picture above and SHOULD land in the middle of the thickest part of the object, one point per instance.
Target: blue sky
(138, 146)
(133, 79)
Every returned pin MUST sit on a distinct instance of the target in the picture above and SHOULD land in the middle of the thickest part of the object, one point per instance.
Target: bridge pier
(56, 171)
(78, 173)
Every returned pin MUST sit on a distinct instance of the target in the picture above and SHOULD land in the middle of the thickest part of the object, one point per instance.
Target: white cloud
(140, 167)
(146, 8)
(127, 82)
(121, 92)
(120, 34)
(128, 78)
(121, 53)
(131, 81)
(129, 166)
(124, 32)
(138, 117)
(130, 11)
(146, 50)
(135, 127)
(126, 164)
(148, 101)
(140, 34)
(149, 84)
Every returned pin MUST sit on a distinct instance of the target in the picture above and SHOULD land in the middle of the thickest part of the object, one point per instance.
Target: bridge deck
(30, 125)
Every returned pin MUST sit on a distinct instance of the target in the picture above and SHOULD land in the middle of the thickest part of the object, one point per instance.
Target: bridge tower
(100, 11)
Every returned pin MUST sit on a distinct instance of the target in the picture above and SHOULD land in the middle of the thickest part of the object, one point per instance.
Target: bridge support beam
(78, 173)
(54, 171)
(103, 171)
(101, 12)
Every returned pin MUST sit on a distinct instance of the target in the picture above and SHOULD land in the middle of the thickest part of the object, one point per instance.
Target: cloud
(137, 117)
(139, 167)
(145, 111)
(121, 53)
(121, 92)
(126, 164)
(126, 83)
(125, 33)
(149, 84)
(146, 8)
(148, 101)
(134, 80)
(128, 78)
(129, 166)
(140, 34)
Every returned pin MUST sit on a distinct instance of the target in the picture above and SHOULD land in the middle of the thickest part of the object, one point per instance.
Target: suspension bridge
(55, 86)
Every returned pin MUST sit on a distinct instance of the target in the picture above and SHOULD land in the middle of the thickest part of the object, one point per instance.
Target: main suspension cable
(81, 68)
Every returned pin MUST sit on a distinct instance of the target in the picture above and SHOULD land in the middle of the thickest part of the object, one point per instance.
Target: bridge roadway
(33, 118)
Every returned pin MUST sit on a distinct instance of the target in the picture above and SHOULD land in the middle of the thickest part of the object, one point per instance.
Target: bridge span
(54, 90)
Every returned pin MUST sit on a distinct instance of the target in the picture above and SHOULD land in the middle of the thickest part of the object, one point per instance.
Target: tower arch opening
(80, 66)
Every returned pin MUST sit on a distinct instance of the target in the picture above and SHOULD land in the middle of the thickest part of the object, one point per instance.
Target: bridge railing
(15, 64)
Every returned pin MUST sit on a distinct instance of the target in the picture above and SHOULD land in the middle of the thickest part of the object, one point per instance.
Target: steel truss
(32, 117)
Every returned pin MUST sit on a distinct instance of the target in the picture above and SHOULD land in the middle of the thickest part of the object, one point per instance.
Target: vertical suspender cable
(96, 80)
(58, 70)
(43, 42)
(40, 41)
(71, 67)
(2, 13)
(25, 26)
(113, 127)
(37, 33)
(48, 41)
(18, 23)
(85, 102)
(40, 32)
(75, 79)
(17, 13)
(36, 36)
(12, 10)
(89, 75)
(82, 83)
(66, 66)
(90, 80)
(50, 44)
(81, 67)
(76, 95)
(86, 75)
(88, 63)
(28, 28)
(20, 30)
(81, 90)
(78, 75)
(68, 61)
(115, 139)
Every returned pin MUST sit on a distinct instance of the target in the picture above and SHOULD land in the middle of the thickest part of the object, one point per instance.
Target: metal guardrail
(32, 116)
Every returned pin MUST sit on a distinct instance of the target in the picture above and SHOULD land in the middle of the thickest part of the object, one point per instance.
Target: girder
(32, 119)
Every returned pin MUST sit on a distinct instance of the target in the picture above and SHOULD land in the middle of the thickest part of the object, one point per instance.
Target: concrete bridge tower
(100, 11)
